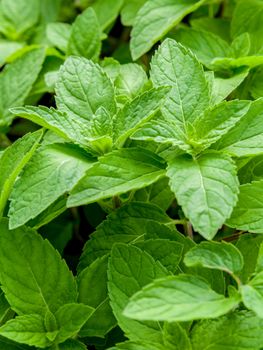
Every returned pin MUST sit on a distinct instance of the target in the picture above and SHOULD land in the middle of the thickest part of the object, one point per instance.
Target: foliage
(131, 183)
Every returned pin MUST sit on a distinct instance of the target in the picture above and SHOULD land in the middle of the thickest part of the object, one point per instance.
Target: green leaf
(236, 331)
(16, 81)
(248, 18)
(27, 329)
(216, 25)
(241, 45)
(204, 44)
(175, 337)
(174, 65)
(247, 214)
(20, 16)
(250, 246)
(58, 34)
(107, 11)
(206, 188)
(126, 169)
(223, 86)
(70, 319)
(8, 48)
(127, 224)
(70, 344)
(217, 121)
(12, 162)
(129, 270)
(137, 112)
(85, 37)
(52, 172)
(31, 287)
(130, 81)
(10, 345)
(214, 255)
(178, 298)
(247, 136)
(155, 19)
(142, 345)
(129, 11)
(93, 291)
(169, 253)
(83, 88)
(252, 294)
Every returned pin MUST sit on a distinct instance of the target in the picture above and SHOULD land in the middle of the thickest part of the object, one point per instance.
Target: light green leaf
(178, 298)
(175, 337)
(85, 37)
(7, 48)
(126, 225)
(12, 162)
(241, 45)
(58, 34)
(216, 121)
(70, 344)
(16, 81)
(206, 188)
(20, 15)
(107, 11)
(126, 169)
(137, 112)
(130, 81)
(142, 345)
(236, 331)
(246, 138)
(204, 44)
(247, 214)
(174, 65)
(252, 294)
(83, 88)
(93, 291)
(233, 63)
(30, 287)
(250, 247)
(169, 253)
(223, 86)
(129, 270)
(129, 11)
(214, 255)
(155, 19)
(27, 329)
(248, 17)
(70, 319)
(52, 172)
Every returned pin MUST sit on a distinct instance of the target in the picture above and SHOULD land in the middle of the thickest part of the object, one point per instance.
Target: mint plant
(131, 175)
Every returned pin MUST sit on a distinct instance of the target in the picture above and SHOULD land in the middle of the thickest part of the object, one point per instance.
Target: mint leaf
(126, 169)
(252, 294)
(107, 11)
(127, 224)
(70, 344)
(206, 188)
(214, 255)
(7, 48)
(245, 138)
(20, 16)
(239, 330)
(10, 345)
(129, 270)
(178, 298)
(217, 121)
(58, 34)
(12, 162)
(155, 19)
(85, 37)
(93, 291)
(70, 319)
(24, 280)
(83, 88)
(16, 81)
(169, 253)
(52, 172)
(204, 44)
(129, 11)
(175, 337)
(174, 65)
(27, 329)
(247, 214)
(136, 113)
